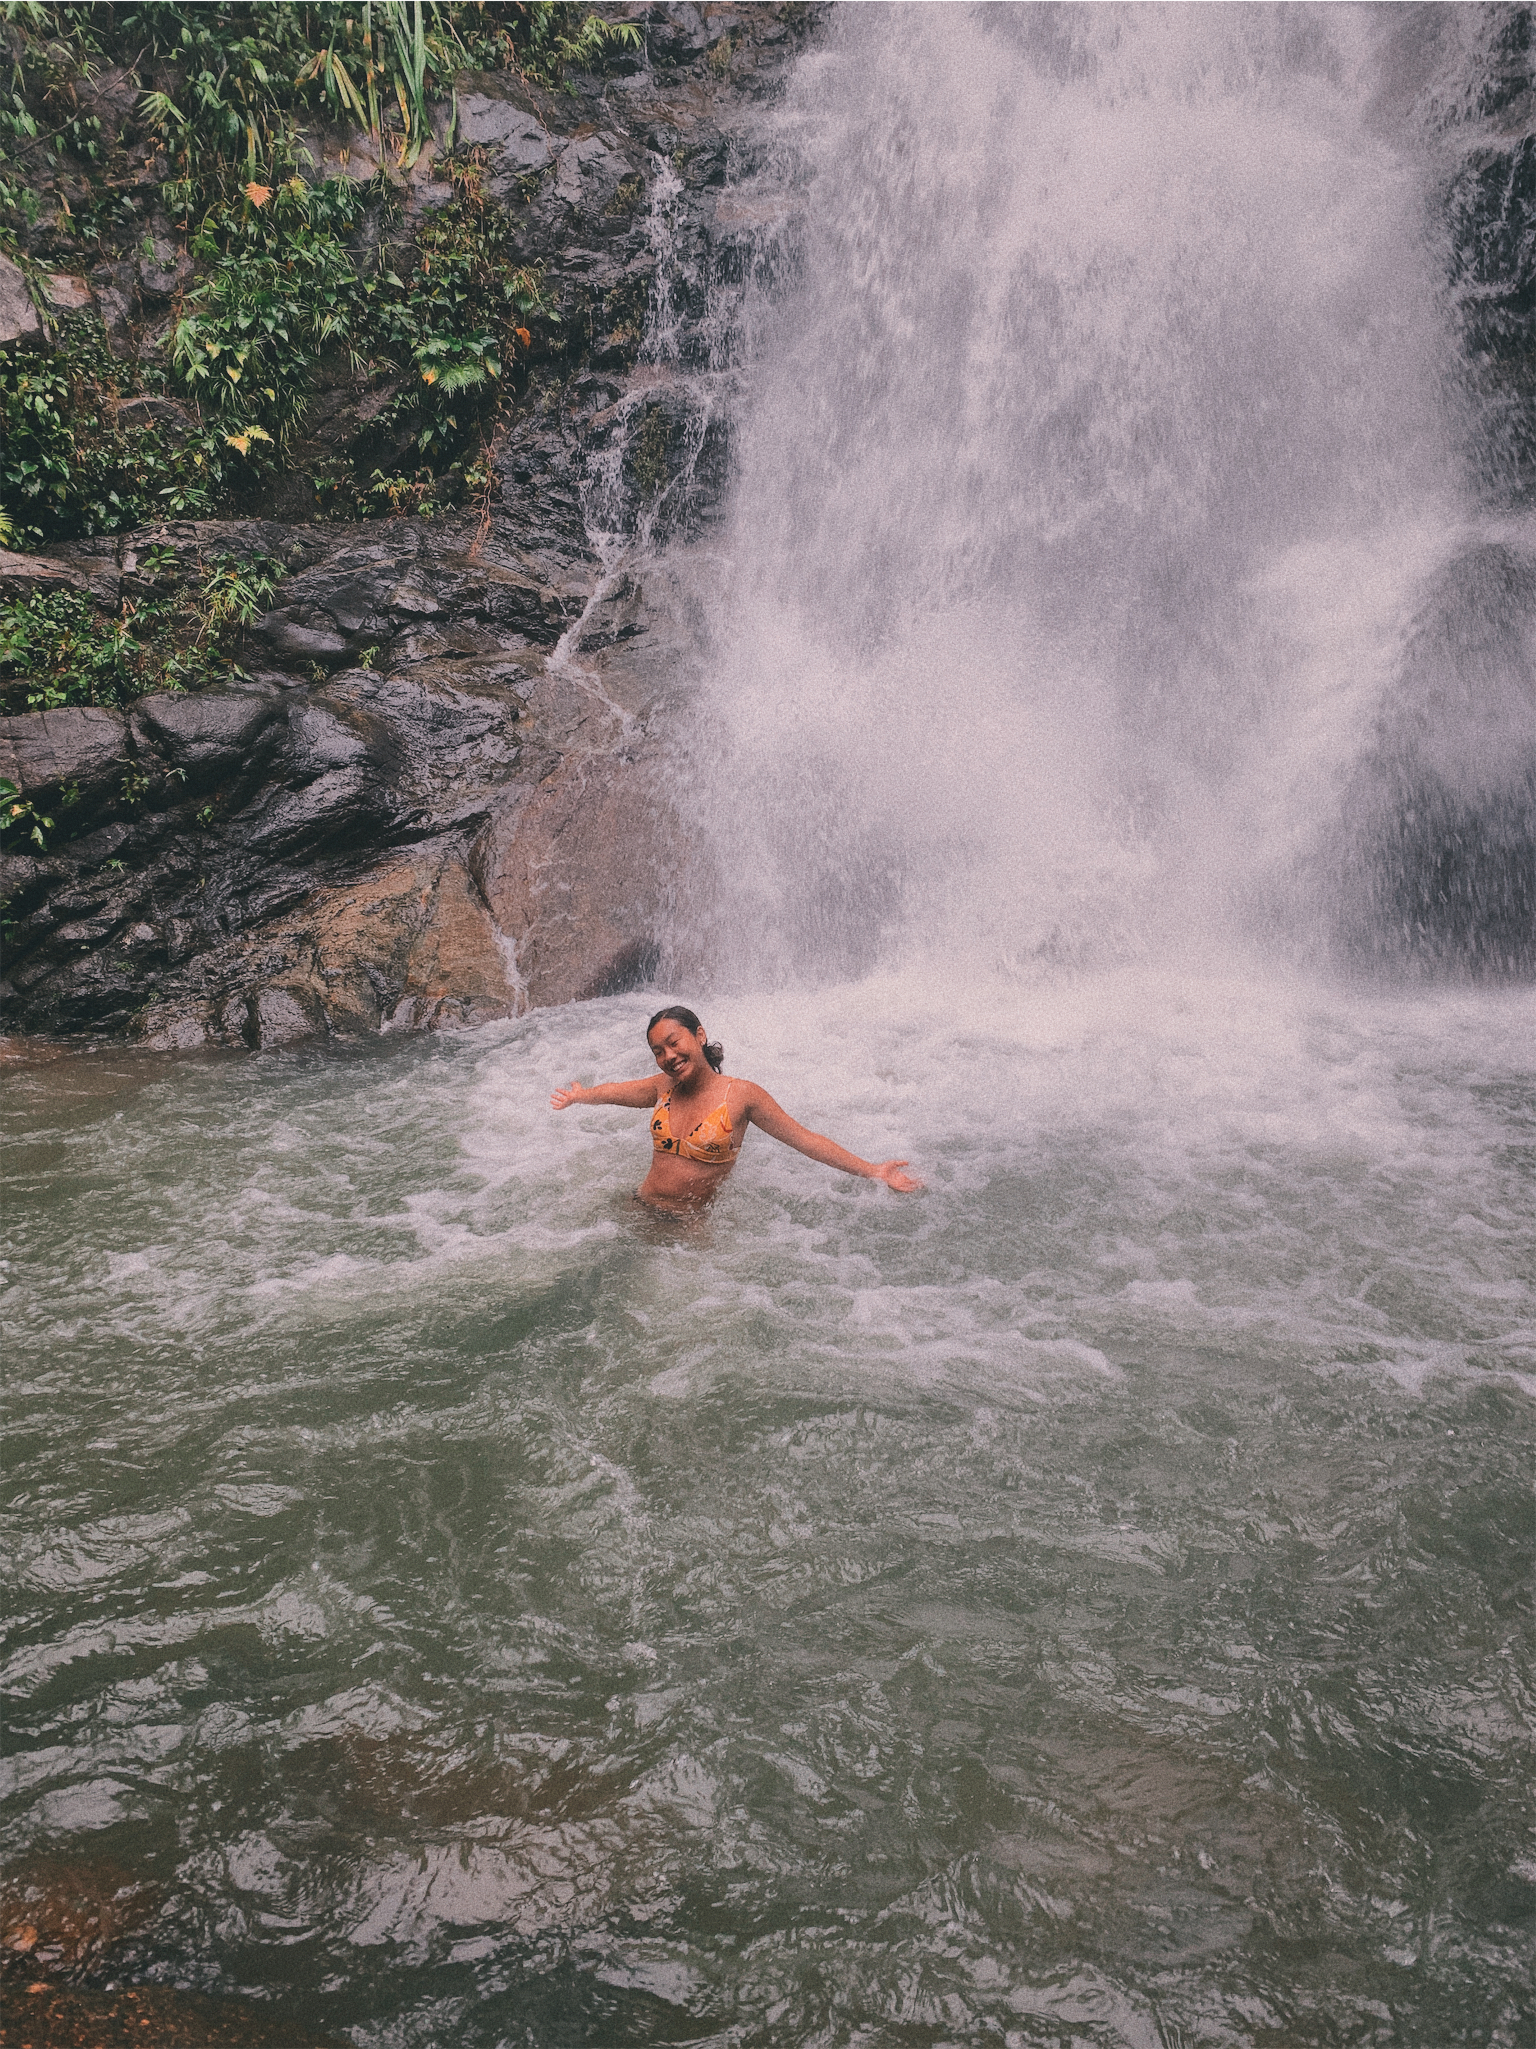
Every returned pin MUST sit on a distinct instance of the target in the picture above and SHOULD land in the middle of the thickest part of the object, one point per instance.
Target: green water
(1085, 1604)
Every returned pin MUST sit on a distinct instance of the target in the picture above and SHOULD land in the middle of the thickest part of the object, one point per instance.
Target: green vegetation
(20, 814)
(69, 468)
(293, 279)
(278, 290)
(649, 461)
(56, 649)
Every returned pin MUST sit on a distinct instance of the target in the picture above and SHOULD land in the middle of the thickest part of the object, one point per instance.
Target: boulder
(302, 636)
(166, 418)
(23, 576)
(1433, 861)
(44, 751)
(165, 268)
(576, 878)
(19, 318)
(205, 736)
(507, 129)
(277, 1017)
(68, 294)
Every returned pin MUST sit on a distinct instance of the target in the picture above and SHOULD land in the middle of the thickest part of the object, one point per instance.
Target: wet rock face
(18, 316)
(455, 831)
(1438, 864)
(429, 795)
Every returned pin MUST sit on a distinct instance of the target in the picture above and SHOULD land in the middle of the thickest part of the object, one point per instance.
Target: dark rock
(1436, 862)
(614, 615)
(342, 805)
(277, 1017)
(197, 542)
(24, 576)
(166, 270)
(19, 318)
(676, 34)
(95, 564)
(25, 881)
(206, 736)
(422, 806)
(494, 118)
(97, 847)
(302, 637)
(166, 418)
(110, 97)
(46, 750)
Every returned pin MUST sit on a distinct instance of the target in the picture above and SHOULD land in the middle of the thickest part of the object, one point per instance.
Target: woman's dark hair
(714, 1052)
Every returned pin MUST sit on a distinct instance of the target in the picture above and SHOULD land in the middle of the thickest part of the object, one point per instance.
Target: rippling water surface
(1083, 1604)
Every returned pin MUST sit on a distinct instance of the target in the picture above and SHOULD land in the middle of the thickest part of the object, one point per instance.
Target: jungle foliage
(283, 278)
(177, 633)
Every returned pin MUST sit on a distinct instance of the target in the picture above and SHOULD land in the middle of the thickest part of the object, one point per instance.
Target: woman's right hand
(562, 1099)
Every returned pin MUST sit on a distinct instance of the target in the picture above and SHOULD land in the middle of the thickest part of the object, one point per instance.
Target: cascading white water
(1101, 451)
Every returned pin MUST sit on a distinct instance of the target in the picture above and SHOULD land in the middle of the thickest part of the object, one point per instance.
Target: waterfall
(1110, 558)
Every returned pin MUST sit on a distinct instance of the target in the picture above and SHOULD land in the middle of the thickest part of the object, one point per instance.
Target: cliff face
(426, 791)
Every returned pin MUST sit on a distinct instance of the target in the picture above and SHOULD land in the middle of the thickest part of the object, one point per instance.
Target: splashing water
(1087, 1603)
(1105, 456)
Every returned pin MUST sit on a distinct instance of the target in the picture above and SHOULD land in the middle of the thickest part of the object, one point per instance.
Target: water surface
(1087, 1603)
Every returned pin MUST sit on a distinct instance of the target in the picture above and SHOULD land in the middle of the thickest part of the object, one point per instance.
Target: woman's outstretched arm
(628, 1095)
(766, 1114)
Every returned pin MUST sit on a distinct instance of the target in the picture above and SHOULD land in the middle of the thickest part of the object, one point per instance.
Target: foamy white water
(1106, 470)
(1089, 1597)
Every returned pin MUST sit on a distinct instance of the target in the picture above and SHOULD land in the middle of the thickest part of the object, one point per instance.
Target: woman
(701, 1116)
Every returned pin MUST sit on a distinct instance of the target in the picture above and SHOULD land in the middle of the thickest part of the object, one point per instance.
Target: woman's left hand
(889, 1171)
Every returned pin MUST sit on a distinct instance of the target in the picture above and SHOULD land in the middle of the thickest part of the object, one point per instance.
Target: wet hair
(679, 1013)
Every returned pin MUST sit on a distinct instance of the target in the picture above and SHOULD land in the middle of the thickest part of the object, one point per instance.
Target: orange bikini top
(709, 1141)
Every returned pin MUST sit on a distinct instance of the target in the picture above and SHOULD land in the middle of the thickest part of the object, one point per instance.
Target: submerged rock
(46, 2016)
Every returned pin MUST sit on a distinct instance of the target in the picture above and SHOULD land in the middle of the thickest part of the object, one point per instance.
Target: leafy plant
(279, 283)
(59, 653)
(56, 649)
(157, 561)
(411, 65)
(67, 468)
(280, 291)
(18, 813)
(462, 320)
(548, 51)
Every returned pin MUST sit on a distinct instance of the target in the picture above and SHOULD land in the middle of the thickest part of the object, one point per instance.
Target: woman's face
(679, 1052)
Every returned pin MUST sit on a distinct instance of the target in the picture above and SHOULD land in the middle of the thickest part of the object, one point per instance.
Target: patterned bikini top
(709, 1141)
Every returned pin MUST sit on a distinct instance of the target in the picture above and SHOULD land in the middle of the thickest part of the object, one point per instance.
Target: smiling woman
(714, 1110)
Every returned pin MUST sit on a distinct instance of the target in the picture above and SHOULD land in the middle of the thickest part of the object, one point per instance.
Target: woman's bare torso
(675, 1182)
